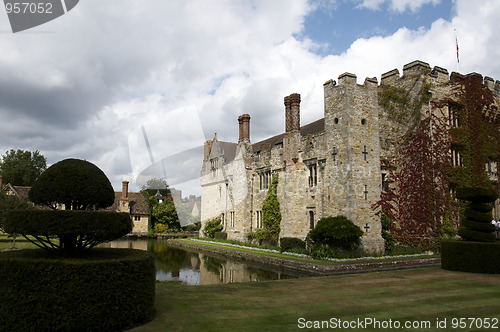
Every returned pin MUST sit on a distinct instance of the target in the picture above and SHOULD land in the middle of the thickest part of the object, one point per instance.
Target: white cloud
(101, 71)
(397, 5)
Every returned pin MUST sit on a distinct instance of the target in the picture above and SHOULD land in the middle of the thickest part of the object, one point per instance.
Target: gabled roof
(136, 201)
(227, 149)
(309, 129)
(19, 191)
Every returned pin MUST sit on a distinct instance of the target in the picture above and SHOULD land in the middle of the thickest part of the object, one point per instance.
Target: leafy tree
(271, 215)
(22, 168)
(155, 185)
(165, 214)
(78, 185)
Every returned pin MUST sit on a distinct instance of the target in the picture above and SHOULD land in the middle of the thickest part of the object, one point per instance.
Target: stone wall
(332, 166)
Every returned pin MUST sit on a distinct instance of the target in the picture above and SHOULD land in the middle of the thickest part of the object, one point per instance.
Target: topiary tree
(81, 188)
(476, 226)
(76, 184)
(335, 232)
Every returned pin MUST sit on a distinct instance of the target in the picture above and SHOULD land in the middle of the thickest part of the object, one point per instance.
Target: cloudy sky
(130, 83)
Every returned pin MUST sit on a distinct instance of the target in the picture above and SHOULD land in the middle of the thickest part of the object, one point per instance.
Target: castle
(328, 167)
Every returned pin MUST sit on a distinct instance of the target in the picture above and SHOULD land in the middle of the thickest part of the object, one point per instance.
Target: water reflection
(194, 268)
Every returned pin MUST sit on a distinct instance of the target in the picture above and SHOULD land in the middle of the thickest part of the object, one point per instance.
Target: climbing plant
(425, 201)
(476, 139)
(422, 174)
(271, 215)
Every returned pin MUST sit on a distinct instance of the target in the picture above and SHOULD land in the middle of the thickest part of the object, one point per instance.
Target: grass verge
(304, 259)
(419, 296)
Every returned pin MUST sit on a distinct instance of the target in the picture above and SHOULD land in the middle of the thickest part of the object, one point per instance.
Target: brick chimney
(124, 190)
(244, 122)
(124, 203)
(292, 113)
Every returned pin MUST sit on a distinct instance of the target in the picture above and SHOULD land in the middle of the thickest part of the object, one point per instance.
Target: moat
(195, 268)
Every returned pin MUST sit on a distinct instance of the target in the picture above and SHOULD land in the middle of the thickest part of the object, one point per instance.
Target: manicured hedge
(110, 290)
(476, 195)
(76, 183)
(468, 256)
(101, 225)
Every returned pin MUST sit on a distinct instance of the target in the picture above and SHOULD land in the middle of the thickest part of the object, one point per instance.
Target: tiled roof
(227, 149)
(136, 201)
(20, 191)
(309, 129)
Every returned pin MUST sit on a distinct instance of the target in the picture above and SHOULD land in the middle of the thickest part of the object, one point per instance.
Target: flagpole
(456, 43)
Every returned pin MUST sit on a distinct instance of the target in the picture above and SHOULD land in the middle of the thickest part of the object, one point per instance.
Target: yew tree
(72, 194)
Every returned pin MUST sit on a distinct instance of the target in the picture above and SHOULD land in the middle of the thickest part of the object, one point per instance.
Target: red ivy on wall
(418, 199)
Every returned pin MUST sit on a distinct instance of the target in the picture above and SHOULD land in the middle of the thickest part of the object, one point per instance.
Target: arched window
(311, 219)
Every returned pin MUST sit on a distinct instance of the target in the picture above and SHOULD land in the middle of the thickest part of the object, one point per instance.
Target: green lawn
(21, 242)
(420, 296)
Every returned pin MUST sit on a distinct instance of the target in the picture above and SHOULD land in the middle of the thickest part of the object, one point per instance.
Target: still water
(195, 268)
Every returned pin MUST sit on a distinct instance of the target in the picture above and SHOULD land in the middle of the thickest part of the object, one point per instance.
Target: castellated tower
(352, 168)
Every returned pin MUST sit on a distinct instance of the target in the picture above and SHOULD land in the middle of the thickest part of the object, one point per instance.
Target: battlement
(349, 78)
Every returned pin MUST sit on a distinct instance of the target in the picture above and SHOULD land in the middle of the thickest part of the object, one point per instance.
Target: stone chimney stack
(207, 148)
(124, 190)
(292, 113)
(244, 122)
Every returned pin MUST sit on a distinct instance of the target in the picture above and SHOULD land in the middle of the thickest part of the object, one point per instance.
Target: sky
(137, 86)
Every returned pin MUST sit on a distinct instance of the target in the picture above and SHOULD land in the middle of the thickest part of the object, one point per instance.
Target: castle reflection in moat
(194, 268)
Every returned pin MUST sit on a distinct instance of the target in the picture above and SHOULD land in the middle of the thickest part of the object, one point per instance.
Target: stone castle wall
(331, 167)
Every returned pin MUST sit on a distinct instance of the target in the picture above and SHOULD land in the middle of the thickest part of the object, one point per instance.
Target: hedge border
(101, 225)
(468, 256)
(110, 290)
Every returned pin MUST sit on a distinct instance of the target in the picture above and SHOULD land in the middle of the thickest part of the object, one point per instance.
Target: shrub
(476, 224)
(287, 243)
(220, 235)
(161, 228)
(336, 232)
(469, 256)
(212, 226)
(262, 237)
(192, 227)
(389, 241)
(109, 290)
